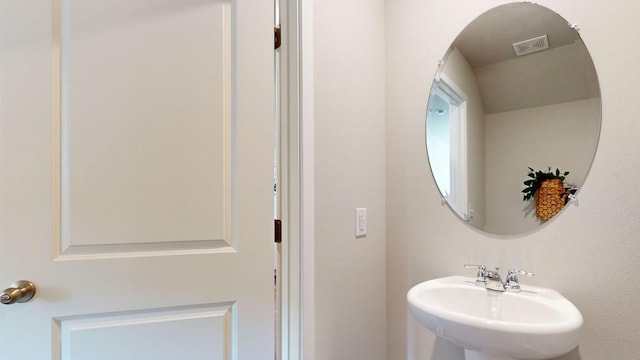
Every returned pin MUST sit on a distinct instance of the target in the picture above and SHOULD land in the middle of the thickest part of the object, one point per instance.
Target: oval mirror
(513, 119)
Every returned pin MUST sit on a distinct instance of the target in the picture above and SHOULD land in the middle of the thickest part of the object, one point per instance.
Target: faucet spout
(494, 281)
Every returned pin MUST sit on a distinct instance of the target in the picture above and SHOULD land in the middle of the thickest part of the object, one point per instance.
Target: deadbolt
(19, 292)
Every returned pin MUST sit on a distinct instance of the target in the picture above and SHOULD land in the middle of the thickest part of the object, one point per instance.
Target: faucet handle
(516, 272)
(511, 281)
(481, 268)
(481, 277)
(471, 266)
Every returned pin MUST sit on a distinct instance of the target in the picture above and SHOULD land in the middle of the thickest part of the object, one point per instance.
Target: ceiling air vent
(532, 45)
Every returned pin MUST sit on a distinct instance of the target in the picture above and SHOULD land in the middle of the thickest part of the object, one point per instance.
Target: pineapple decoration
(548, 189)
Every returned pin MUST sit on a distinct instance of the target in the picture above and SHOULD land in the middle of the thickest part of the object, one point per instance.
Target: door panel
(135, 335)
(136, 178)
(145, 99)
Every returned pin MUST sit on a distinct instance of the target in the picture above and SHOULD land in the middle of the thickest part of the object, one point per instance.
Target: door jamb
(297, 181)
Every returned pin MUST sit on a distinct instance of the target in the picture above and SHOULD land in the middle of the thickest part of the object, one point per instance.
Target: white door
(136, 178)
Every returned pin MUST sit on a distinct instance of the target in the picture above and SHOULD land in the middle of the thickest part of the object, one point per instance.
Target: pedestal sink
(536, 323)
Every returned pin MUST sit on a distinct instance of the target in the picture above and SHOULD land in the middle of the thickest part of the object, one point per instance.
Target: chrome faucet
(511, 282)
(481, 278)
(491, 280)
(494, 281)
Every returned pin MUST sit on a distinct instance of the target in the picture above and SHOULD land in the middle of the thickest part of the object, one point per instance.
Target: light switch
(361, 221)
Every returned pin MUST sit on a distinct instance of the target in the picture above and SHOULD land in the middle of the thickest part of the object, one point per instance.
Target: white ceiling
(507, 82)
(489, 38)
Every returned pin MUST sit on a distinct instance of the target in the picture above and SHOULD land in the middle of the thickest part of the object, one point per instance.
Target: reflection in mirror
(446, 131)
(517, 90)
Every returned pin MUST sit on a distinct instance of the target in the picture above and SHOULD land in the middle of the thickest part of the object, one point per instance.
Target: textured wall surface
(591, 253)
(349, 117)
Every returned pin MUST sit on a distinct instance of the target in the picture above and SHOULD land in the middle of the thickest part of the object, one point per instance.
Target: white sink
(536, 323)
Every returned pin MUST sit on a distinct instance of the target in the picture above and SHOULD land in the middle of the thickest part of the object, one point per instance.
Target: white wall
(562, 136)
(349, 118)
(591, 253)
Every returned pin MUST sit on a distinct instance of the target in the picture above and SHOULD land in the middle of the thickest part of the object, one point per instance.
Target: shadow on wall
(444, 350)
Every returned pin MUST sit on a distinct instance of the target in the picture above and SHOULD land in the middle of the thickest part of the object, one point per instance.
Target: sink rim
(482, 334)
(571, 316)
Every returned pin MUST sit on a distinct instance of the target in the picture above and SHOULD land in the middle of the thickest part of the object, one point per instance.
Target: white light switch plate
(361, 221)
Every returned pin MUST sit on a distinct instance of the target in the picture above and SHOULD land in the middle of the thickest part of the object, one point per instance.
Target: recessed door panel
(203, 332)
(145, 124)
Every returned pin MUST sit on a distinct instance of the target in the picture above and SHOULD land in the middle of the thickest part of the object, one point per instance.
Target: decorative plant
(537, 177)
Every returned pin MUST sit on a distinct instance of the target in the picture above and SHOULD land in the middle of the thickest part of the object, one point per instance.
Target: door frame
(297, 307)
(449, 91)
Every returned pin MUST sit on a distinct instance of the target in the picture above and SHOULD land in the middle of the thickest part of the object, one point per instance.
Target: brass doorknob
(19, 292)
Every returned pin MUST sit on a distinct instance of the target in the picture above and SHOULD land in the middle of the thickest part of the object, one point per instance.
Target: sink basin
(536, 323)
